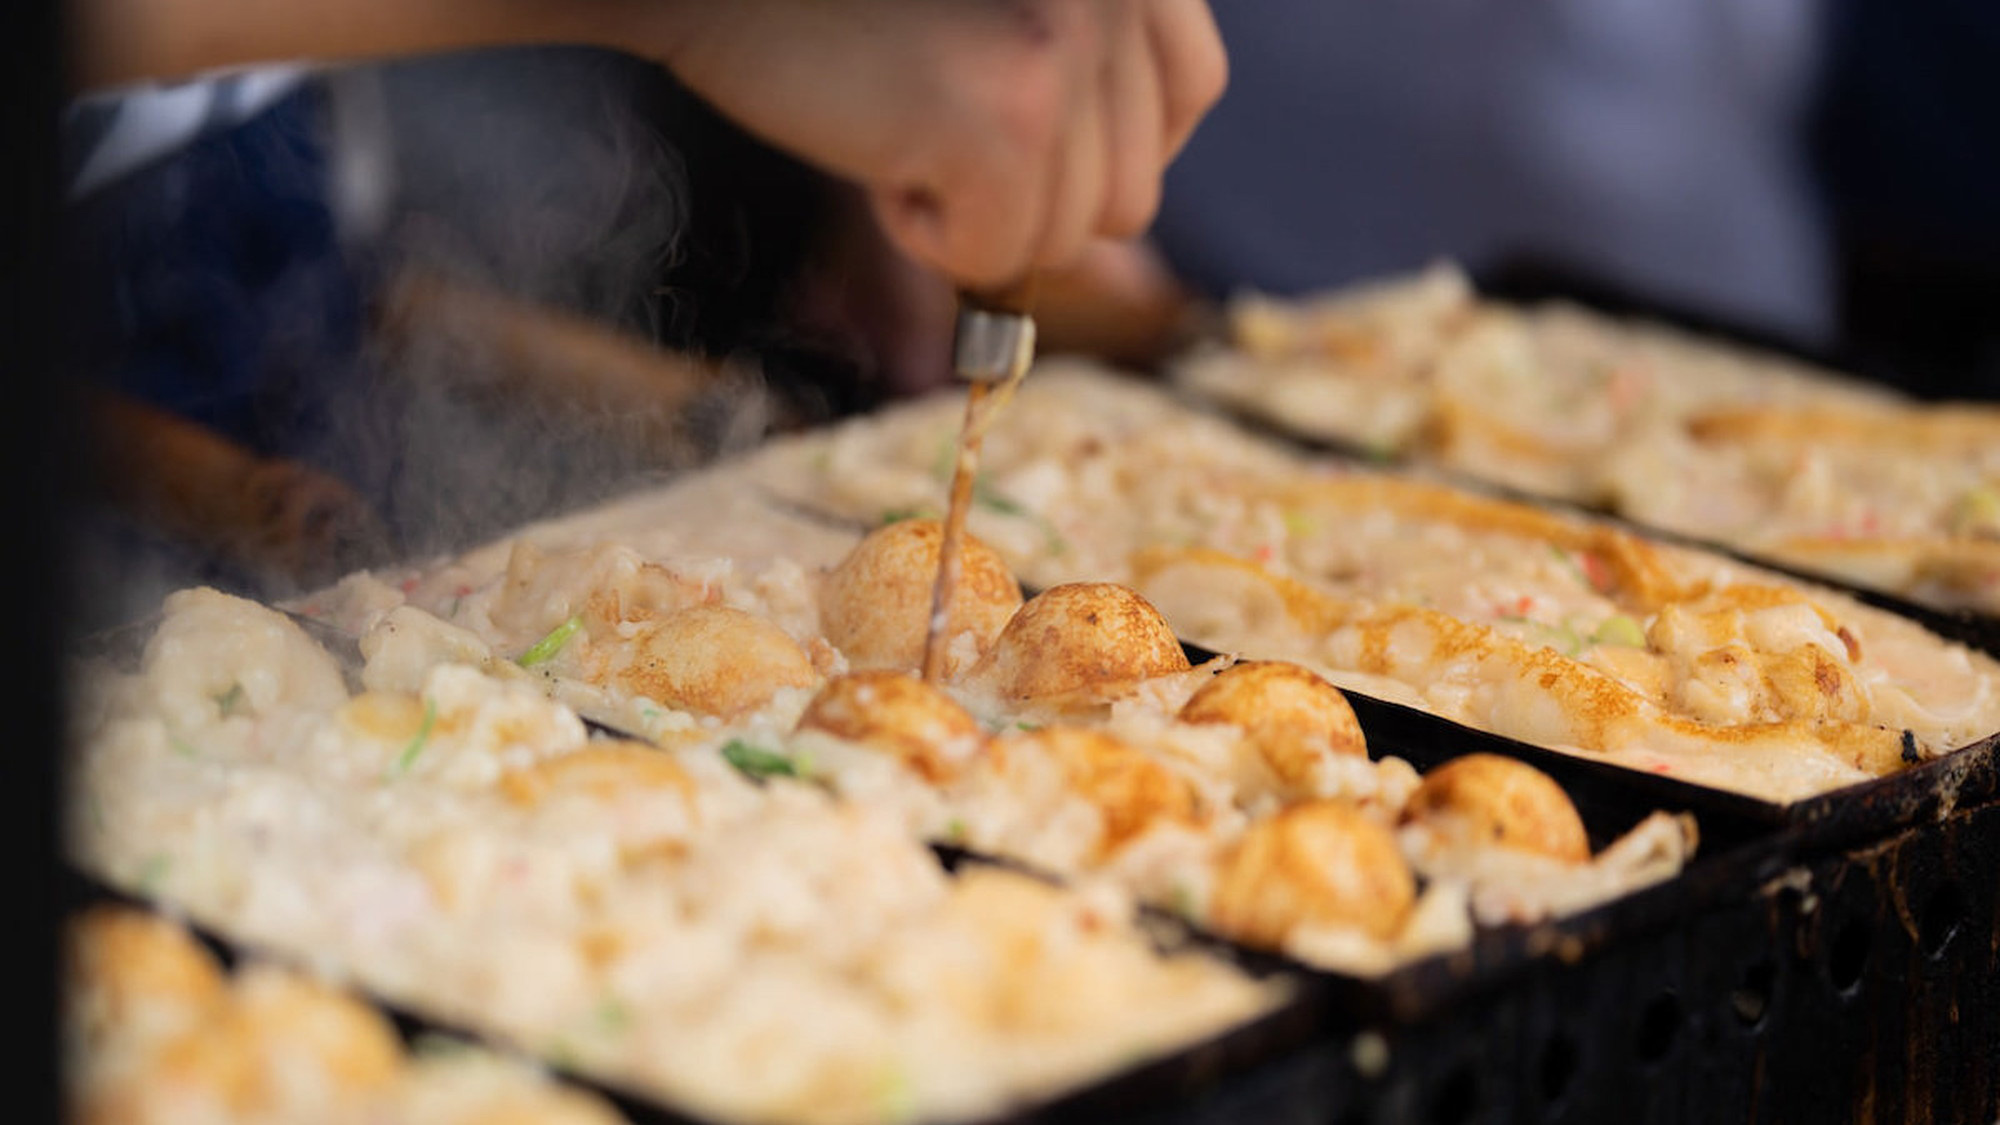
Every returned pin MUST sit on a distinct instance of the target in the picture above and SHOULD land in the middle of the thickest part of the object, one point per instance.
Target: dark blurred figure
(1907, 141)
(1820, 175)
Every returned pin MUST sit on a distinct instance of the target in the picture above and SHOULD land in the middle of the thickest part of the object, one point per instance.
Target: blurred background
(268, 327)
(321, 318)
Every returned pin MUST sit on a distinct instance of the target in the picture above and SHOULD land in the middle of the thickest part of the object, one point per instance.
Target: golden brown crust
(1634, 572)
(1130, 788)
(875, 606)
(1321, 863)
(713, 660)
(899, 715)
(1588, 708)
(1290, 716)
(1081, 638)
(600, 770)
(122, 961)
(1955, 427)
(1501, 802)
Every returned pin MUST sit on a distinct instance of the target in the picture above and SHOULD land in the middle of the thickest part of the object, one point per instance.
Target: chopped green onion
(756, 762)
(984, 495)
(1619, 630)
(154, 872)
(896, 1098)
(898, 515)
(1299, 525)
(550, 645)
(613, 1016)
(1562, 638)
(947, 457)
(231, 701)
(408, 757)
(437, 1045)
(1977, 512)
(954, 830)
(1570, 564)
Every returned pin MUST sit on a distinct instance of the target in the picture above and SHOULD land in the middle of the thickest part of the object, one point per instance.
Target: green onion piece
(613, 1016)
(954, 831)
(984, 495)
(896, 1097)
(1976, 512)
(154, 872)
(408, 757)
(1619, 630)
(550, 645)
(756, 762)
(1565, 640)
(1570, 564)
(1299, 525)
(898, 515)
(437, 1045)
(231, 701)
(1562, 638)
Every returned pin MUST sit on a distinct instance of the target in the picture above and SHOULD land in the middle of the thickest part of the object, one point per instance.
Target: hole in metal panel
(1558, 1069)
(1751, 1000)
(1940, 919)
(1458, 1099)
(1848, 959)
(1659, 1025)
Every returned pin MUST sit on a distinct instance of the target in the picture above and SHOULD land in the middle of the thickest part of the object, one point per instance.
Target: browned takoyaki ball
(714, 660)
(1130, 788)
(875, 606)
(1080, 638)
(1492, 800)
(900, 715)
(1290, 717)
(1320, 863)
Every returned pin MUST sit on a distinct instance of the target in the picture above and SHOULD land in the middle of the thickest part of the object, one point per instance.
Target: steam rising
(534, 206)
(508, 216)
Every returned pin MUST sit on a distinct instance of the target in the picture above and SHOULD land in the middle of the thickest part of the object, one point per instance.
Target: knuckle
(1208, 73)
(1133, 209)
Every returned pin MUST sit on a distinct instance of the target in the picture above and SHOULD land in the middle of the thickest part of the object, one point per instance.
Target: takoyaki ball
(137, 971)
(1493, 800)
(1290, 717)
(1077, 640)
(1319, 863)
(875, 606)
(714, 660)
(1131, 790)
(900, 715)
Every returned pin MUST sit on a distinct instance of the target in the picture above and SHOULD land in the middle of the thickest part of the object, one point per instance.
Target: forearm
(122, 41)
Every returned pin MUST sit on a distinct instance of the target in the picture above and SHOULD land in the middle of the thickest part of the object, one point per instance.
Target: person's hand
(991, 137)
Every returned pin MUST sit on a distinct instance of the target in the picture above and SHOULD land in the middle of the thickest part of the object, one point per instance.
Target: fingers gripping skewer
(994, 347)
